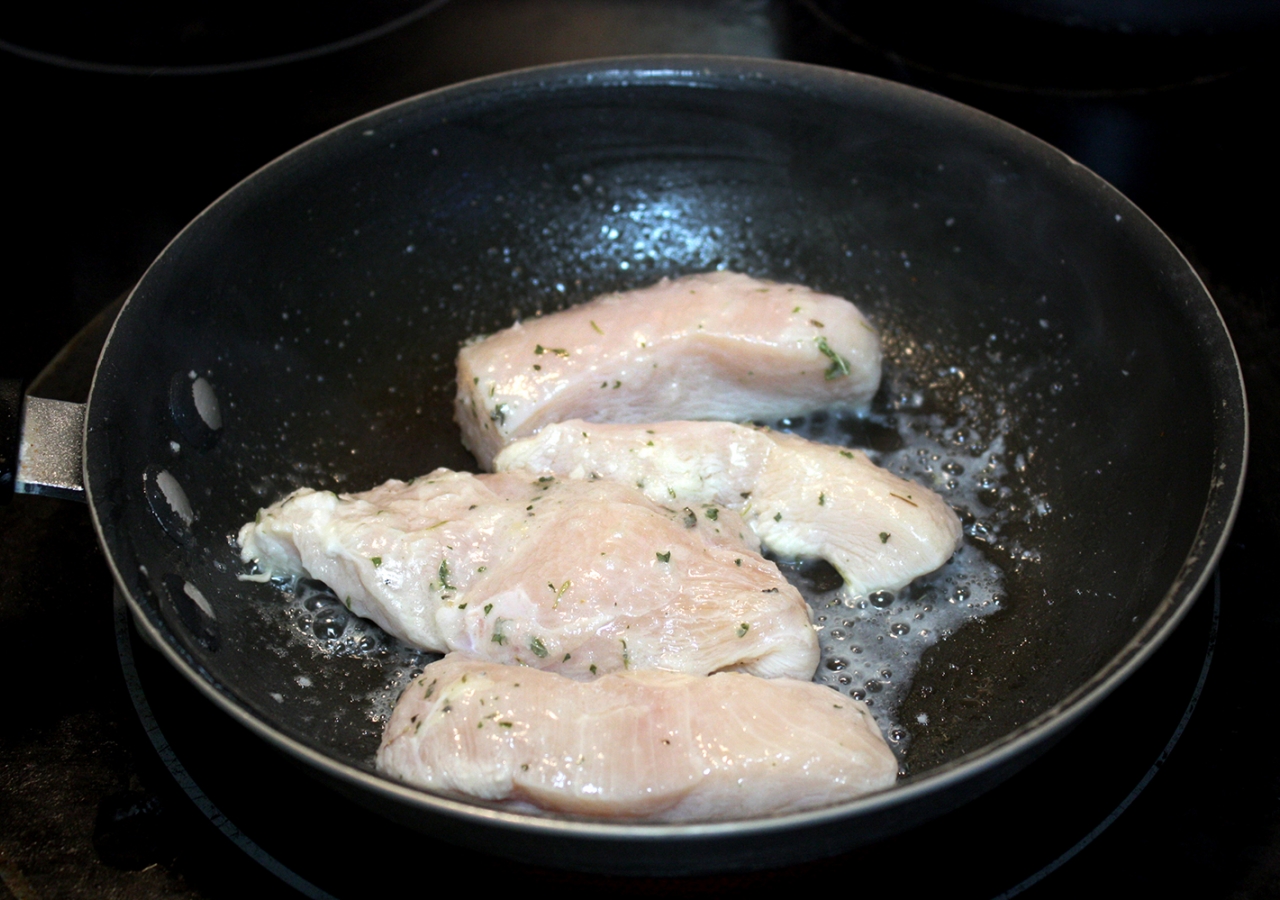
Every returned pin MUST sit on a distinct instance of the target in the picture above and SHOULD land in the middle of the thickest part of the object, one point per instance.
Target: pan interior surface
(323, 301)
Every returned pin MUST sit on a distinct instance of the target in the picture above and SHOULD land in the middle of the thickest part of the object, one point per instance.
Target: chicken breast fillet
(582, 578)
(713, 346)
(803, 499)
(650, 745)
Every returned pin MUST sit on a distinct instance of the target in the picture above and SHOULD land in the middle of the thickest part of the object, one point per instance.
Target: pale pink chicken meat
(803, 499)
(639, 745)
(715, 346)
(582, 578)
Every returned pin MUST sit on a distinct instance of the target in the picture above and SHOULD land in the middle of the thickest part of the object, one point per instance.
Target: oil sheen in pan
(950, 440)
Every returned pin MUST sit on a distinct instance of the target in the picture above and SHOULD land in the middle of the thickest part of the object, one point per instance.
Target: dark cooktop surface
(115, 780)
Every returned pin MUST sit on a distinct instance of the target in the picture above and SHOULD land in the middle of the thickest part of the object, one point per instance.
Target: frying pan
(302, 331)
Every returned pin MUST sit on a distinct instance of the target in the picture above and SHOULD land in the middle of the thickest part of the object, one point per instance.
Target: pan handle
(41, 445)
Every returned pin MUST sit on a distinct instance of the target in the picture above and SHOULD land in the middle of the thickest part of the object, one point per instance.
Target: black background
(114, 141)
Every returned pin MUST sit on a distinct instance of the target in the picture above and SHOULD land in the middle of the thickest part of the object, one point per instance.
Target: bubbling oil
(872, 644)
(322, 622)
(953, 442)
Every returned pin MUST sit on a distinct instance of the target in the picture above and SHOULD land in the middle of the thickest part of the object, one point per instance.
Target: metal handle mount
(41, 445)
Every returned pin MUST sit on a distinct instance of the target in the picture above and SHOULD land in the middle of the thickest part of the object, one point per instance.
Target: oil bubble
(330, 624)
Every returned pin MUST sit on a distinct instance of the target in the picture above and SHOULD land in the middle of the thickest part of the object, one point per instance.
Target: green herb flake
(777, 517)
(839, 365)
(690, 518)
(593, 668)
(711, 513)
(443, 572)
(376, 560)
(816, 324)
(846, 454)
(498, 637)
(488, 608)
(462, 606)
(499, 413)
(822, 499)
(566, 657)
(537, 368)
(738, 561)
(347, 601)
(596, 327)
(664, 557)
(431, 689)
(884, 537)
(743, 629)
(539, 649)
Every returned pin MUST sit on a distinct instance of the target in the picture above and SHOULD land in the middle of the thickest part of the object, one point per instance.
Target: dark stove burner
(196, 37)
(303, 834)
(1073, 47)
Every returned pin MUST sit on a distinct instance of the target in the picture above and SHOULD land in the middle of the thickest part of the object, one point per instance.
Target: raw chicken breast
(803, 499)
(714, 346)
(648, 745)
(578, 577)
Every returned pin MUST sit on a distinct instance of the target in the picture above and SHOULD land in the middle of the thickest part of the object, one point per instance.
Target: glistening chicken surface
(653, 745)
(714, 346)
(803, 499)
(583, 578)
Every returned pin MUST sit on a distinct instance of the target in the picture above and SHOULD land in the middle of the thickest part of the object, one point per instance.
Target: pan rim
(1231, 441)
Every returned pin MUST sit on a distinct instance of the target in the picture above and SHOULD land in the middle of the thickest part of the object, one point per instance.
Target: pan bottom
(256, 814)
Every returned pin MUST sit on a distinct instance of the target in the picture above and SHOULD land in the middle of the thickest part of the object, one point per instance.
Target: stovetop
(109, 785)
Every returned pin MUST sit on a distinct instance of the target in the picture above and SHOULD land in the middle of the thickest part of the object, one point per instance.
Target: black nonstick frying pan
(302, 331)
